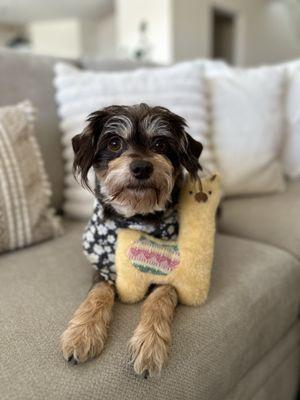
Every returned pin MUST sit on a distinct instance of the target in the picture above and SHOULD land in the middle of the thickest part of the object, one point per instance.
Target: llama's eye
(115, 144)
(160, 145)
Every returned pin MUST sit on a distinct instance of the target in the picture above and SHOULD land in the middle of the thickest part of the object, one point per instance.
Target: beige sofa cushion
(273, 219)
(278, 370)
(27, 76)
(214, 345)
(25, 215)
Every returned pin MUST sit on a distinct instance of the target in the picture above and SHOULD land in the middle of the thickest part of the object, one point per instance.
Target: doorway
(223, 31)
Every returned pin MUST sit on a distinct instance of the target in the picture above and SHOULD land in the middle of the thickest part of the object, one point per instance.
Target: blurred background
(242, 32)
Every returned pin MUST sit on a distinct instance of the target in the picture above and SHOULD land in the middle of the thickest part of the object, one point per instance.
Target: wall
(98, 37)
(60, 38)
(268, 29)
(89, 37)
(273, 33)
(106, 36)
(73, 37)
(192, 26)
(158, 15)
(190, 20)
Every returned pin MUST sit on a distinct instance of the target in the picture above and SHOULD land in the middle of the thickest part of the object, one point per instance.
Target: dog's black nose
(141, 169)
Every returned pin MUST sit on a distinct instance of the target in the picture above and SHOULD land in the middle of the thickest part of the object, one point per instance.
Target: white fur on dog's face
(120, 124)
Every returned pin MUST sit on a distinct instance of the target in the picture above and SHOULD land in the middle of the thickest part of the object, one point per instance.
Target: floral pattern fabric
(100, 236)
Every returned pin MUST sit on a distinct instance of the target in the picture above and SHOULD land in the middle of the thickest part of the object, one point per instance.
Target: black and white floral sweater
(100, 235)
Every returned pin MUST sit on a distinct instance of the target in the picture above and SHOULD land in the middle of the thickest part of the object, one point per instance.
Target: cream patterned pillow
(25, 216)
(291, 153)
(247, 129)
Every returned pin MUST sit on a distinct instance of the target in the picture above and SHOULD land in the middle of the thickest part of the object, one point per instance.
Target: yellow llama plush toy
(186, 263)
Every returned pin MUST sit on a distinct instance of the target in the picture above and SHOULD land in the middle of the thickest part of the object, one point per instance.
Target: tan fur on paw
(86, 333)
(150, 344)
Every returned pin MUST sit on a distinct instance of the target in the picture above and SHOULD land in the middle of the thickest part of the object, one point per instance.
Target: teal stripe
(150, 270)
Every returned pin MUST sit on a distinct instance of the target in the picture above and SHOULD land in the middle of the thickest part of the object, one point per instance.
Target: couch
(242, 344)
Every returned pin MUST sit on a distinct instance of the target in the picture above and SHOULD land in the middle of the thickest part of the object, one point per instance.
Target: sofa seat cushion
(253, 302)
(273, 219)
(279, 371)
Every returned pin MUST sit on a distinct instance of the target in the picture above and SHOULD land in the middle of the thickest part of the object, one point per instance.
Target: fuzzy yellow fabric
(191, 277)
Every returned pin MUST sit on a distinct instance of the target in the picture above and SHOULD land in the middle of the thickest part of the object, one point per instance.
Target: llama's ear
(189, 155)
(85, 145)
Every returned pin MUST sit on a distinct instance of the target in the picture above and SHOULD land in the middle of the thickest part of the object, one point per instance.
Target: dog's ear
(190, 153)
(85, 145)
(189, 148)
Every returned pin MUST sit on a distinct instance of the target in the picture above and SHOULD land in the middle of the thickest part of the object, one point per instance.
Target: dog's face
(138, 153)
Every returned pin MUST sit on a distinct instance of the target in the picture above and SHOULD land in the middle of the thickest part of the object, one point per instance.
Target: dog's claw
(146, 374)
(72, 360)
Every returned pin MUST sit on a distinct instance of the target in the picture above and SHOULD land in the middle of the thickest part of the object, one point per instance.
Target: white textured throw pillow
(291, 153)
(247, 124)
(78, 93)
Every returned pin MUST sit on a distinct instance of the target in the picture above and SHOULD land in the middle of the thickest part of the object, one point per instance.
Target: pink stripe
(153, 258)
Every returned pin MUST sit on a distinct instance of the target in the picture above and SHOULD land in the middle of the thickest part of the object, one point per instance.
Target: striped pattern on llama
(154, 257)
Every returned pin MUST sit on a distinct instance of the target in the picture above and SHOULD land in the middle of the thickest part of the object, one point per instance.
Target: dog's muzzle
(141, 169)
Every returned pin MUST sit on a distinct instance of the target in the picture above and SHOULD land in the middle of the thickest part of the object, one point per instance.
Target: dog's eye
(160, 145)
(115, 144)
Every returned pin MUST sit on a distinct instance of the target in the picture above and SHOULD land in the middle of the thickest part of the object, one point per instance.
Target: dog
(139, 155)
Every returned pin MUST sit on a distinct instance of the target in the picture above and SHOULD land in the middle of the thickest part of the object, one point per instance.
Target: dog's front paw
(87, 331)
(150, 344)
(149, 351)
(80, 343)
